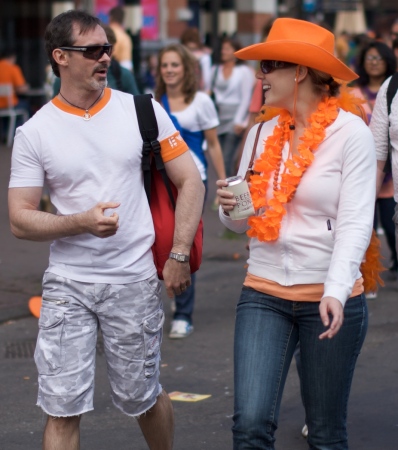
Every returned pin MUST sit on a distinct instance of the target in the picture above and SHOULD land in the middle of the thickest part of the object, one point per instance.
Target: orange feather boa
(371, 266)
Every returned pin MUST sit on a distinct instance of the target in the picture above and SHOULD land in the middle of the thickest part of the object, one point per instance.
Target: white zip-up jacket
(328, 224)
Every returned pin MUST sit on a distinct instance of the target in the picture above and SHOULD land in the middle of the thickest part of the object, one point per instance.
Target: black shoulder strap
(149, 132)
(391, 91)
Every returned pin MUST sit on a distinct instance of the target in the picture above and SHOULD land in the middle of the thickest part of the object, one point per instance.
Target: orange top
(298, 292)
(10, 74)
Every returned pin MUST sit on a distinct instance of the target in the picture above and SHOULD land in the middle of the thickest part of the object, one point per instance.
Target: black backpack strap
(149, 132)
(391, 91)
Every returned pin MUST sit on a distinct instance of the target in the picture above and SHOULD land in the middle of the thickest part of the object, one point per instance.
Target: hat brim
(298, 52)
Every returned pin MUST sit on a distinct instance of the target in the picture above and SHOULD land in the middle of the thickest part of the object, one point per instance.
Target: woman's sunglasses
(94, 52)
(268, 66)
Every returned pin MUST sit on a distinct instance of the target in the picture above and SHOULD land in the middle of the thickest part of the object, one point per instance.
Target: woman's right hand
(226, 199)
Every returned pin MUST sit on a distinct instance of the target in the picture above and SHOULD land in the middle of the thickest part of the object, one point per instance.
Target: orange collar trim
(79, 112)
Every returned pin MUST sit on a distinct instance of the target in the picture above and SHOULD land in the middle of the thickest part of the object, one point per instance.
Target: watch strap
(180, 257)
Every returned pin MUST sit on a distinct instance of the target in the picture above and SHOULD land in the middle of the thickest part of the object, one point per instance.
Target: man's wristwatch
(180, 257)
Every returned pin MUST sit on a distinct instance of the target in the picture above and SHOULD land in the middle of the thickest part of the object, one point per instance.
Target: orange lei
(266, 226)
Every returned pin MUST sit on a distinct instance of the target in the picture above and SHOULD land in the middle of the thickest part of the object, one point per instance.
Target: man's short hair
(116, 14)
(59, 32)
(110, 34)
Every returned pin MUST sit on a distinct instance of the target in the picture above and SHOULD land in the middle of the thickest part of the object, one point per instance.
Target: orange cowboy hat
(300, 42)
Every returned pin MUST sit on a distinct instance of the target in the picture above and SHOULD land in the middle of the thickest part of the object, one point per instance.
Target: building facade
(154, 23)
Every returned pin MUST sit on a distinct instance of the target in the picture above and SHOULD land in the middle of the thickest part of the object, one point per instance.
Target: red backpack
(160, 191)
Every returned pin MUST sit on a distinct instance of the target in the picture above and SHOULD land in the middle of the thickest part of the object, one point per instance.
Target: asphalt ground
(200, 364)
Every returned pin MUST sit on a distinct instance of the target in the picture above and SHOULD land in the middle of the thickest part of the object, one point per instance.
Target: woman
(313, 191)
(232, 86)
(194, 115)
(376, 63)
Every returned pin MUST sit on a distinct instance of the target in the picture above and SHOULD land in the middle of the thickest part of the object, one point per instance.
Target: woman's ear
(301, 73)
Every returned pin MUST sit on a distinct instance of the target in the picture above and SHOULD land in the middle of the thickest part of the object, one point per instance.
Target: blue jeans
(267, 331)
(229, 143)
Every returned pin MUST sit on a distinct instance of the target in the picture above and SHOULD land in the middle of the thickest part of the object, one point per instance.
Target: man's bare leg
(157, 424)
(62, 433)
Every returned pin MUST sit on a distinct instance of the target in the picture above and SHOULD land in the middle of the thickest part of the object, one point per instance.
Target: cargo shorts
(130, 317)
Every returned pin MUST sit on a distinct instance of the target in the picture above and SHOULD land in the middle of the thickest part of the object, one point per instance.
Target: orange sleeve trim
(79, 112)
(173, 146)
(297, 292)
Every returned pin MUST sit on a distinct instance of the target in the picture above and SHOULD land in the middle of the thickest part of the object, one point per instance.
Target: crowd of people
(307, 126)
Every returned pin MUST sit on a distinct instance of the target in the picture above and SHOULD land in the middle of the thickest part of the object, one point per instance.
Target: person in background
(376, 63)
(194, 115)
(123, 51)
(394, 31)
(86, 145)
(119, 77)
(191, 39)
(384, 127)
(11, 73)
(149, 75)
(395, 49)
(233, 83)
(313, 190)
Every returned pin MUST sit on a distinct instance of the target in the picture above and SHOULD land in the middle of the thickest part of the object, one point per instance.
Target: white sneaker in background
(304, 431)
(180, 329)
(173, 306)
(371, 295)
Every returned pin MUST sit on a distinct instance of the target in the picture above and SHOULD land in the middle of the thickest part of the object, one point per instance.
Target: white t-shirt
(233, 96)
(86, 162)
(381, 124)
(199, 115)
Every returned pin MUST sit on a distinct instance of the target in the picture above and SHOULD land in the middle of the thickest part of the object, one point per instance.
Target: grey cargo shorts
(130, 317)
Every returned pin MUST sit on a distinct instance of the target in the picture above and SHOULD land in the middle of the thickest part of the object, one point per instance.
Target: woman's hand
(239, 129)
(330, 306)
(226, 199)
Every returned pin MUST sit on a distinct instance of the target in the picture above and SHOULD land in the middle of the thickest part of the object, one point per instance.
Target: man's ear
(60, 57)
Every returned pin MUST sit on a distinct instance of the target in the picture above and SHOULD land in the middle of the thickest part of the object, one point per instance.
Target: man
(86, 145)
(123, 51)
(384, 127)
(118, 76)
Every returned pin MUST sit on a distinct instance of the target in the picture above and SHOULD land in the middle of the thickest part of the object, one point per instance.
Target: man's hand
(177, 277)
(97, 223)
(330, 306)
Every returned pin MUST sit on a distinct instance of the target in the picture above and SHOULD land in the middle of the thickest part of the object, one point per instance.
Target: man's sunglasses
(94, 52)
(268, 66)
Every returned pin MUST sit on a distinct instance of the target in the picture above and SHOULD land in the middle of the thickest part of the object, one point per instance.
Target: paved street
(200, 364)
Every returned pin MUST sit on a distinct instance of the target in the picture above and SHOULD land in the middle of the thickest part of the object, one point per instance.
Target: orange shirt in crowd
(10, 74)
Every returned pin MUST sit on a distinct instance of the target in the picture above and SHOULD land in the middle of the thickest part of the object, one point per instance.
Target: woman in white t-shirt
(232, 86)
(194, 115)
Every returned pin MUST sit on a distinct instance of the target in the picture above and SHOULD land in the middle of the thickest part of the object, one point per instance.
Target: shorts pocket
(153, 338)
(49, 355)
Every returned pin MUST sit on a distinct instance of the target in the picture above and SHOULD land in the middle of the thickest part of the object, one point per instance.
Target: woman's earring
(295, 79)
